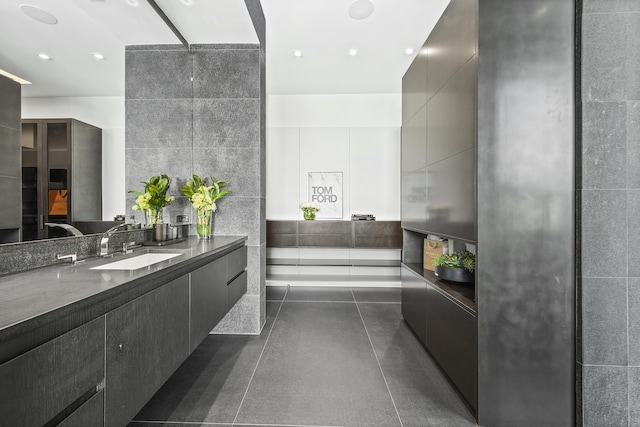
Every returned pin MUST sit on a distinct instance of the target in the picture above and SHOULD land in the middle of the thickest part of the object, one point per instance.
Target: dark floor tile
(318, 369)
(377, 294)
(422, 395)
(276, 293)
(319, 293)
(210, 384)
(156, 424)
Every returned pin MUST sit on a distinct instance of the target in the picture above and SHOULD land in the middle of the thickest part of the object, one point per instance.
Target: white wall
(106, 113)
(358, 135)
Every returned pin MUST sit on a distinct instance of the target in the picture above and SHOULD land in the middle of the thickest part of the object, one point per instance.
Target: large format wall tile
(634, 324)
(239, 166)
(604, 396)
(158, 74)
(633, 144)
(633, 53)
(226, 123)
(603, 6)
(604, 233)
(604, 321)
(227, 73)
(634, 392)
(604, 57)
(143, 163)
(159, 123)
(604, 145)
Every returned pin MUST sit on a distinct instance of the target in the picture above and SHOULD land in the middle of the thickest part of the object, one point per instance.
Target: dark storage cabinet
(451, 339)
(61, 175)
(414, 303)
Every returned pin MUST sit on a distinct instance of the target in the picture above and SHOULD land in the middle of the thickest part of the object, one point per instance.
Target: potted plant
(309, 210)
(203, 196)
(456, 267)
(154, 198)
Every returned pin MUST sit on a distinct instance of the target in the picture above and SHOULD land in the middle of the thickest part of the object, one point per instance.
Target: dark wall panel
(414, 87)
(451, 194)
(451, 115)
(414, 142)
(525, 288)
(451, 43)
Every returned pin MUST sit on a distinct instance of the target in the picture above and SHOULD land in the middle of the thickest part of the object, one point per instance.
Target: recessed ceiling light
(133, 3)
(353, 52)
(14, 77)
(98, 55)
(408, 51)
(44, 56)
(361, 9)
(187, 2)
(38, 14)
(297, 53)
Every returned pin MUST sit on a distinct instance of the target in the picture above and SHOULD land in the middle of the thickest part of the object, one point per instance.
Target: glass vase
(153, 216)
(204, 223)
(309, 215)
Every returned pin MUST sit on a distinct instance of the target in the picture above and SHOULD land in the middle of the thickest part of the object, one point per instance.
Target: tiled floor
(326, 357)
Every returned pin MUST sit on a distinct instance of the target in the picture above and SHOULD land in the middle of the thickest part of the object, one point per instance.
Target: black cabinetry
(147, 339)
(55, 379)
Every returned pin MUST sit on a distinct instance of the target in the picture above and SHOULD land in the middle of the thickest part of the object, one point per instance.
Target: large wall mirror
(72, 53)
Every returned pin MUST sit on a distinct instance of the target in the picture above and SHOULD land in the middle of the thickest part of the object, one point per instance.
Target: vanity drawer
(236, 262)
(53, 379)
(236, 289)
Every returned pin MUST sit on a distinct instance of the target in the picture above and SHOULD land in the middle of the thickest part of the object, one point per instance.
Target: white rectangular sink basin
(136, 262)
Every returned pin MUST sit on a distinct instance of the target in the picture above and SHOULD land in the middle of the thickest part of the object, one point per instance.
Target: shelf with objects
(334, 253)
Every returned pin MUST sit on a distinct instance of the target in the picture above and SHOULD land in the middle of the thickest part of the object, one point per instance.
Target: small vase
(153, 216)
(309, 216)
(204, 223)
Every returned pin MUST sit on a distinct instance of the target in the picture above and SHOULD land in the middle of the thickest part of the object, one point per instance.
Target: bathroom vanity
(89, 344)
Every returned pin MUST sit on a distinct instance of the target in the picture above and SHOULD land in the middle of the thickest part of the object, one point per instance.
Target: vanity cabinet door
(90, 414)
(48, 382)
(451, 339)
(414, 303)
(147, 340)
(208, 299)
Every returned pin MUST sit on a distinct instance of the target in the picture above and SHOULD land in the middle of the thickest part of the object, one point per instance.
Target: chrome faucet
(104, 240)
(71, 257)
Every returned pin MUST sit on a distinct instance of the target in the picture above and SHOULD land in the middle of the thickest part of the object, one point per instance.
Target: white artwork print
(325, 190)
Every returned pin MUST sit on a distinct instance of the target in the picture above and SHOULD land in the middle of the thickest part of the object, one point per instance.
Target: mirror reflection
(72, 128)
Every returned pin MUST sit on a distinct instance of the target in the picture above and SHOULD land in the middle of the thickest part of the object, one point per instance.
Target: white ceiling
(321, 29)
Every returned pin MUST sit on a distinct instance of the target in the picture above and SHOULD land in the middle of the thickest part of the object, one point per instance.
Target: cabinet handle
(41, 221)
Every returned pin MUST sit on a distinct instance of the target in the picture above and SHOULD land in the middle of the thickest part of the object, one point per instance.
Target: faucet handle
(127, 247)
(71, 257)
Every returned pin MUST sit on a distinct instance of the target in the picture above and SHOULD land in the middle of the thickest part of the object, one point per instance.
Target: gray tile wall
(608, 197)
(203, 112)
(10, 161)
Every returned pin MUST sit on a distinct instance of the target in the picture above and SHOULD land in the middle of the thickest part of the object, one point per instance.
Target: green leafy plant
(154, 197)
(463, 259)
(203, 196)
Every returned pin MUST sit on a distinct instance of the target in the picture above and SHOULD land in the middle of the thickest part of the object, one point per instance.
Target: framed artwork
(325, 190)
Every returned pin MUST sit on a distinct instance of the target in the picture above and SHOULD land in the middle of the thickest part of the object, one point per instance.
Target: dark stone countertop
(52, 300)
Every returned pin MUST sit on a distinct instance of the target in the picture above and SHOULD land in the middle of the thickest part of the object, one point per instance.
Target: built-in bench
(334, 252)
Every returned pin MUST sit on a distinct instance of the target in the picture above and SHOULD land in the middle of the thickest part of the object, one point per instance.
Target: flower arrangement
(309, 210)
(203, 196)
(154, 198)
